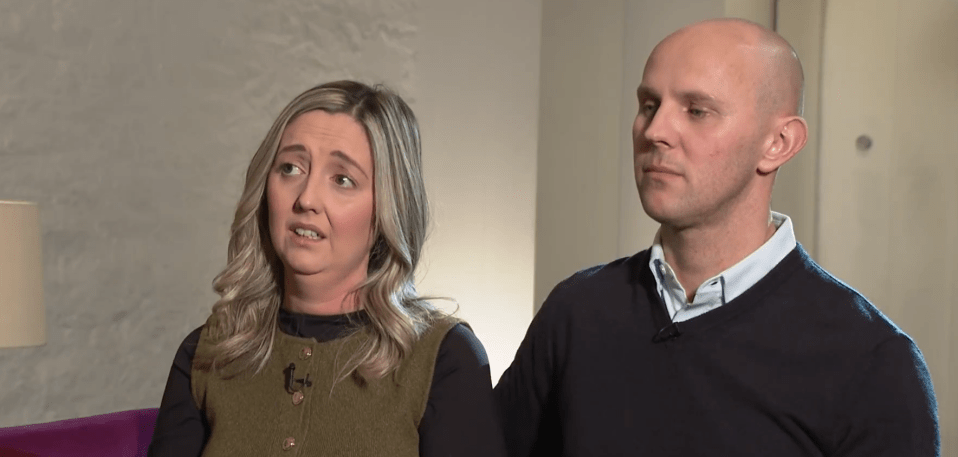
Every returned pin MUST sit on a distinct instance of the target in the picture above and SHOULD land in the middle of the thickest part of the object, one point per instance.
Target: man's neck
(699, 253)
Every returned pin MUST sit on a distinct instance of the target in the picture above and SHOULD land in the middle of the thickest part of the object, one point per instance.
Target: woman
(319, 343)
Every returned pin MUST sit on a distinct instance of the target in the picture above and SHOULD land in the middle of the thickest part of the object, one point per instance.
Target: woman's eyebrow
(291, 147)
(341, 155)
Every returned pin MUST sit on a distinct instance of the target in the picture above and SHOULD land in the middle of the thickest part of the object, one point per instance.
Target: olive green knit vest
(257, 415)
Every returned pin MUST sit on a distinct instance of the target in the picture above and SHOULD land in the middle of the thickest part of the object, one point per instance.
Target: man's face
(697, 136)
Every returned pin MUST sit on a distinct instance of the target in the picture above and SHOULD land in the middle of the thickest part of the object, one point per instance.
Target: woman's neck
(321, 296)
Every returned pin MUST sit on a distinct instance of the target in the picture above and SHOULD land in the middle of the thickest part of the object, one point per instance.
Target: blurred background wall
(132, 124)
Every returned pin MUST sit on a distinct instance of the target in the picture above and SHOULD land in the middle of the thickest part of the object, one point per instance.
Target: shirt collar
(728, 284)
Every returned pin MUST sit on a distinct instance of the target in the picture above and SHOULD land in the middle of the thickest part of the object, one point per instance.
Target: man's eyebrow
(341, 155)
(696, 96)
(646, 92)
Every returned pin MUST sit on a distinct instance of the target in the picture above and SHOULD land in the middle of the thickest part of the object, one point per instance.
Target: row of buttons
(298, 397)
(304, 354)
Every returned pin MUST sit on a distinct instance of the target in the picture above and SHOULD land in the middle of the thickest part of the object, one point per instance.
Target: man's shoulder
(839, 302)
(609, 283)
(619, 272)
(822, 284)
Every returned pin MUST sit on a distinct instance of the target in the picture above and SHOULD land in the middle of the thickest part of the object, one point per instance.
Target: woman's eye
(344, 181)
(290, 169)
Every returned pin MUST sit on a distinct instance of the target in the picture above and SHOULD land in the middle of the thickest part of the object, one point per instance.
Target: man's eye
(290, 169)
(344, 181)
(695, 112)
(648, 108)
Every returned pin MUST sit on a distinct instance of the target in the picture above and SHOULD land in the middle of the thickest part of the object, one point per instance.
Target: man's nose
(659, 129)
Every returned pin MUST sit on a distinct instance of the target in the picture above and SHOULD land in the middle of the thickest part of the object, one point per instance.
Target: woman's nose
(310, 196)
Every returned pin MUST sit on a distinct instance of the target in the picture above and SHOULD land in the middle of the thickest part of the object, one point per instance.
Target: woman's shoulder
(192, 340)
(450, 332)
(200, 336)
(445, 337)
(441, 323)
(187, 350)
(455, 344)
(461, 348)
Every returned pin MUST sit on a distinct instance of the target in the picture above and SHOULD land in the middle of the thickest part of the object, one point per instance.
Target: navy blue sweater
(798, 365)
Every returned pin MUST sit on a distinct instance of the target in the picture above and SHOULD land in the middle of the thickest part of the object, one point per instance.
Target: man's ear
(790, 135)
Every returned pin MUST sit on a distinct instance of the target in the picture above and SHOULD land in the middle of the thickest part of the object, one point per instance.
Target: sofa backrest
(119, 434)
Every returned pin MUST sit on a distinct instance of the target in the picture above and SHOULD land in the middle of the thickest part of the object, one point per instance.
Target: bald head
(770, 64)
(718, 115)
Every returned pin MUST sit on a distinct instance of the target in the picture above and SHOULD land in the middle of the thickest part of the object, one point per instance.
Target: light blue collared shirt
(724, 287)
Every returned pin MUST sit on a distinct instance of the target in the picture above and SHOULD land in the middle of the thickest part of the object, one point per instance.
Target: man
(724, 338)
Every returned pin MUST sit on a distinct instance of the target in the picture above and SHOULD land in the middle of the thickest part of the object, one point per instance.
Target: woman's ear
(790, 136)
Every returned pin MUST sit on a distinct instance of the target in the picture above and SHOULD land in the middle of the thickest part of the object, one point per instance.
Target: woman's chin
(303, 269)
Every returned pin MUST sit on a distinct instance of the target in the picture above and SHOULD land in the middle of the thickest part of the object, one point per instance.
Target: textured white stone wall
(131, 123)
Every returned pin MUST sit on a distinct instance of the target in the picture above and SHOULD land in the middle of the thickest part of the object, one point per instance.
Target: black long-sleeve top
(798, 365)
(459, 420)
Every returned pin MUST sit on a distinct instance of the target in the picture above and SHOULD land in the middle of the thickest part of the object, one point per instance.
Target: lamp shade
(22, 316)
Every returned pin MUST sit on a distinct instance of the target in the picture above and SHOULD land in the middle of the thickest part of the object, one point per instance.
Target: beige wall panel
(796, 185)
(758, 11)
(477, 94)
(577, 205)
(889, 223)
(859, 76)
(922, 209)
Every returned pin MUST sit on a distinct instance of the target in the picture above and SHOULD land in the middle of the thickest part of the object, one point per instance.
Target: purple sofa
(120, 434)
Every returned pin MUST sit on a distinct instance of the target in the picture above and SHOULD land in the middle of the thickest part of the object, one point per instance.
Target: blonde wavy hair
(251, 285)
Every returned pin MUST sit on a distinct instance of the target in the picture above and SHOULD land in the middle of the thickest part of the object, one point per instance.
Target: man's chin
(659, 210)
(668, 216)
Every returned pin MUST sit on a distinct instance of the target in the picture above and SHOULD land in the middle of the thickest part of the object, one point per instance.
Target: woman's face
(320, 197)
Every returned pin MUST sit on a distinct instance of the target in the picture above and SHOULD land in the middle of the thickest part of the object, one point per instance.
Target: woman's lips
(307, 232)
